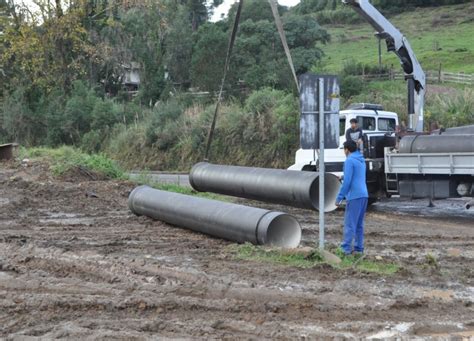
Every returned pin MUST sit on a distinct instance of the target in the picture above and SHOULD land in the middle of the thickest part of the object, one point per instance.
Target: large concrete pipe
(279, 186)
(469, 130)
(224, 220)
(437, 144)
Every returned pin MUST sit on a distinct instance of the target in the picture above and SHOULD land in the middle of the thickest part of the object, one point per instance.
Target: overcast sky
(224, 8)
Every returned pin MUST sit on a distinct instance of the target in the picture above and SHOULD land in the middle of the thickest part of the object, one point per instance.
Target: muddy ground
(75, 263)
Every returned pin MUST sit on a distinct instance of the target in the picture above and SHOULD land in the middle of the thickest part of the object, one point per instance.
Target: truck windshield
(387, 124)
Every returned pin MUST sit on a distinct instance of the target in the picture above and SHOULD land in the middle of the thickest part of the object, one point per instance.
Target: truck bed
(429, 163)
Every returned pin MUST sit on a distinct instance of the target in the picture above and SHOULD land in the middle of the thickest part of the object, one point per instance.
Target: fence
(431, 77)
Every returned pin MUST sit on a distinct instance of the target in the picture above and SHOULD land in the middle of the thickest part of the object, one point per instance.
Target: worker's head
(349, 147)
(354, 123)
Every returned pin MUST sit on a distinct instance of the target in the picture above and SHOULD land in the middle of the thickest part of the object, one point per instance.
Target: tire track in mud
(72, 266)
(203, 293)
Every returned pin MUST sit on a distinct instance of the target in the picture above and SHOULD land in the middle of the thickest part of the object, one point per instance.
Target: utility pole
(321, 163)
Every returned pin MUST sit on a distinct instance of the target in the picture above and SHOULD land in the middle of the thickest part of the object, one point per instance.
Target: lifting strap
(226, 67)
(279, 25)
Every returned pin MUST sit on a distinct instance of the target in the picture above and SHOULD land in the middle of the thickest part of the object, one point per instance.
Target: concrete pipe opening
(279, 229)
(331, 189)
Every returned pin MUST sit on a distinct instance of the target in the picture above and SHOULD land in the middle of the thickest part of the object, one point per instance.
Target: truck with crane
(411, 163)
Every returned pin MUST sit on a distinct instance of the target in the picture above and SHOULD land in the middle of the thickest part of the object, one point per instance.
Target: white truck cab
(375, 123)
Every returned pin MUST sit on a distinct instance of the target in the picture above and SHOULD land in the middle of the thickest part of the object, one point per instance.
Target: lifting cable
(279, 25)
(281, 32)
(226, 67)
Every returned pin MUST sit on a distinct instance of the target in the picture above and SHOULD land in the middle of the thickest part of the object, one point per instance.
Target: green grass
(439, 35)
(248, 251)
(145, 179)
(301, 260)
(431, 260)
(66, 158)
(366, 265)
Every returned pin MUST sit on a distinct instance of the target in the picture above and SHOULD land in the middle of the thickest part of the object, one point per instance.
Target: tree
(208, 57)
(179, 47)
(259, 57)
(6, 21)
(49, 54)
(145, 33)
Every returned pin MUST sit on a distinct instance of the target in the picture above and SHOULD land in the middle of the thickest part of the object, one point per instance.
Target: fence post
(439, 73)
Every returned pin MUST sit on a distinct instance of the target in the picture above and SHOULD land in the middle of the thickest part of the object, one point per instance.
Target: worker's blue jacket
(353, 184)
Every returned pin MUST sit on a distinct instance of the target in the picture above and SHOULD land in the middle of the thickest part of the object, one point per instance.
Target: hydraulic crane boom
(397, 43)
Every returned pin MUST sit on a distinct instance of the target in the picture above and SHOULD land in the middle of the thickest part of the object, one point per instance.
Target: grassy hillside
(438, 35)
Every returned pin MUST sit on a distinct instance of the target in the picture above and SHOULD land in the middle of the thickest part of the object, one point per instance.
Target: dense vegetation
(62, 73)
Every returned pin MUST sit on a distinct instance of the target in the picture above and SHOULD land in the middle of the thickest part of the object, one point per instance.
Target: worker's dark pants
(354, 225)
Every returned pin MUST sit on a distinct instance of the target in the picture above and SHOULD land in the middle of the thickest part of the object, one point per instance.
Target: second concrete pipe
(279, 186)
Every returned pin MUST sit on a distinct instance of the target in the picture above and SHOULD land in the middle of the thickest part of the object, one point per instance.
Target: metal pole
(321, 163)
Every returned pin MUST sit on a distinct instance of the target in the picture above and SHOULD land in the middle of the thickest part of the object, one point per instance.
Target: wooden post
(439, 73)
(380, 56)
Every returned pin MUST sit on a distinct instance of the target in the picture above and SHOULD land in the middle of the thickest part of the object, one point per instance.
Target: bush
(65, 158)
(20, 122)
(162, 124)
(353, 68)
(262, 132)
(92, 141)
(339, 16)
(452, 110)
(351, 86)
(32, 117)
(77, 116)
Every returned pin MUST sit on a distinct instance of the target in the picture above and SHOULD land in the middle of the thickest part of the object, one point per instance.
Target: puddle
(166, 259)
(443, 208)
(68, 221)
(397, 330)
(63, 218)
(4, 201)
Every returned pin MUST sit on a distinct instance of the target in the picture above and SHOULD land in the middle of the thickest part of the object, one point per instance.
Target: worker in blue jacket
(354, 190)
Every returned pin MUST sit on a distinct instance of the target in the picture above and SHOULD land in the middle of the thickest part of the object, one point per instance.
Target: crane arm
(397, 43)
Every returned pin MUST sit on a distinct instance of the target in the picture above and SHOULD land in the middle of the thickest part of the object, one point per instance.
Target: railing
(431, 77)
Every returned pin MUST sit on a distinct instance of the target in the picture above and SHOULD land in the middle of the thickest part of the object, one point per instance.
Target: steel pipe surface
(437, 144)
(469, 130)
(229, 221)
(279, 186)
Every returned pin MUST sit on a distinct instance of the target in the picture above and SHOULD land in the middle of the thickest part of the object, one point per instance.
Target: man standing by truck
(354, 133)
(354, 190)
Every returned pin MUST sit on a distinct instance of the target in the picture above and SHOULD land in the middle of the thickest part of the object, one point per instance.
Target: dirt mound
(80, 173)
